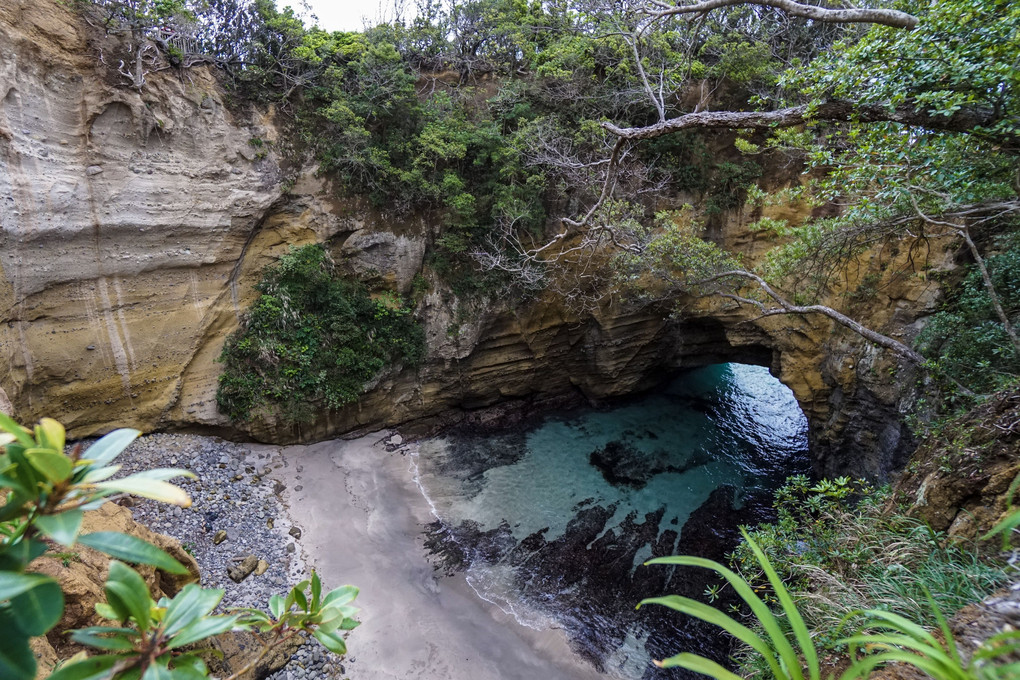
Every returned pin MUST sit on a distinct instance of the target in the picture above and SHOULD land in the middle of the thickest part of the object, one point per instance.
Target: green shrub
(311, 340)
(966, 341)
(781, 645)
(840, 554)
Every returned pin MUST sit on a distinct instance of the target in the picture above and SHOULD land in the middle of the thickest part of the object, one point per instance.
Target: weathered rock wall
(134, 225)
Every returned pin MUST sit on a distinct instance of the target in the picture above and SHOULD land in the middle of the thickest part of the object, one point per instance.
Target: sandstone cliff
(134, 225)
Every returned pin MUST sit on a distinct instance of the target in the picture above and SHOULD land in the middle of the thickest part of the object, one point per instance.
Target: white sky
(345, 15)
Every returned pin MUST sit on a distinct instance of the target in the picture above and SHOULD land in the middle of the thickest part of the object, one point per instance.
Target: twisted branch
(885, 17)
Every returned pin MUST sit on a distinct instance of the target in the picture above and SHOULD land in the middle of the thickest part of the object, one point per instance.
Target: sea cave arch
(853, 394)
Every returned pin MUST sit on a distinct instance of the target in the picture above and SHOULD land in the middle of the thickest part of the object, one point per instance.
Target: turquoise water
(552, 521)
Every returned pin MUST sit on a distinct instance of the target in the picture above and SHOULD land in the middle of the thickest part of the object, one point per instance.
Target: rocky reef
(135, 224)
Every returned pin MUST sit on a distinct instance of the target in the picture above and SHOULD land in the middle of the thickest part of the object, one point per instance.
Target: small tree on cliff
(910, 129)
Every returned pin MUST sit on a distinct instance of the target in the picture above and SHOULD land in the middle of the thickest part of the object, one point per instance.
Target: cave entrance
(553, 520)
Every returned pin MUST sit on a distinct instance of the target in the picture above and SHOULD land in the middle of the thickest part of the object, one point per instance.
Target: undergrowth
(838, 554)
(965, 342)
(311, 341)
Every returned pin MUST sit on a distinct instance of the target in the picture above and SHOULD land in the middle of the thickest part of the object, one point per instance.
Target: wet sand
(361, 514)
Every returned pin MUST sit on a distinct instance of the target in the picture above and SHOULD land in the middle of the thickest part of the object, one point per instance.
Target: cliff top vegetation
(546, 134)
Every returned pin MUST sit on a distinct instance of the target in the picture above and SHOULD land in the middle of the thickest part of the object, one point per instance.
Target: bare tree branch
(963, 120)
(885, 17)
(963, 232)
(786, 307)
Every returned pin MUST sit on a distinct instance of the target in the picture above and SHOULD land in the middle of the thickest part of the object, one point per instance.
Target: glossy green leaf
(158, 671)
(192, 603)
(796, 621)
(132, 549)
(300, 599)
(38, 609)
(710, 614)
(54, 465)
(110, 446)
(187, 673)
(202, 629)
(155, 489)
(164, 474)
(103, 637)
(127, 594)
(50, 434)
(93, 668)
(108, 612)
(276, 606)
(63, 527)
(192, 662)
(7, 482)
(12, 585)
(316, 590)
(15, 557)
(698, 664)
(8, 425)
(16, 659)
(15, 507)
(341, 595)
(331, 641)
(777, 638)
(93, 474)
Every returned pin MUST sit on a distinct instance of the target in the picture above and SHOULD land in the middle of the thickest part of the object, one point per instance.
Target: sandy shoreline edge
(361, 515)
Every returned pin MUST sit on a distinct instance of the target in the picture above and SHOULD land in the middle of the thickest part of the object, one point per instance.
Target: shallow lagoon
(552, 522)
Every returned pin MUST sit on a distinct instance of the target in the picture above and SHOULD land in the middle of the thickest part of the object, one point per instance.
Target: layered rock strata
(135, 224)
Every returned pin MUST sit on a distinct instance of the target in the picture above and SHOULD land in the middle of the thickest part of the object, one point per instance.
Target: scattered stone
(295, 532)
(241, 571)
(396, 440)
(225, 504)
(93, 170)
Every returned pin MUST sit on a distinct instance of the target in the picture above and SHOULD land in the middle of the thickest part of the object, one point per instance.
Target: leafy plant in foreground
(787, 659)
(789, 651)
(900, 640)
(837, 556)
(158, 638)
(45, 493)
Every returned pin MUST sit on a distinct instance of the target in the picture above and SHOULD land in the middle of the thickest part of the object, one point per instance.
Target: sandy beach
(361, 514)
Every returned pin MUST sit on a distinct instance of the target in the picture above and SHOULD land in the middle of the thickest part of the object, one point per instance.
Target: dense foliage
(46, 492)
(311, 340)
(484, 113)
(840, 551)
(827, 581)
(966, 340)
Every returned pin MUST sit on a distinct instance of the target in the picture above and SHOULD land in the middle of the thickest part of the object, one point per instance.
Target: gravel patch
(233, 494)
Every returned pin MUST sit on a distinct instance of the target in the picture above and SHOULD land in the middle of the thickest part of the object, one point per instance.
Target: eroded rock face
(124, 216)
(135, 225)
(959, 481)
